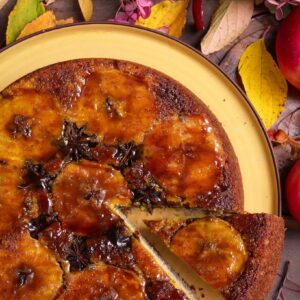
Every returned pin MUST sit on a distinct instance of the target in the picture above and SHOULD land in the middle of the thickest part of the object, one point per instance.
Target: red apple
(288, 47)
(293, 191)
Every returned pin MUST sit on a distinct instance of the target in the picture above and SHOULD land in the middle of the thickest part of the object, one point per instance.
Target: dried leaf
(65, 21)
(86, 7)
(263, 82)
(167, 14)
(45, 21)
(23, 13)
(229, 21)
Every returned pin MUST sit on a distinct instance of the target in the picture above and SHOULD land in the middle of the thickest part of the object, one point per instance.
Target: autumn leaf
(65, 21)
(86, 7)
(229, 21)
(24, 12)
(45, 21)
(264, 84)
(167, 14)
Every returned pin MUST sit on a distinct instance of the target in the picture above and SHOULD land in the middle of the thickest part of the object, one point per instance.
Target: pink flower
(281, 7)
(131, 10)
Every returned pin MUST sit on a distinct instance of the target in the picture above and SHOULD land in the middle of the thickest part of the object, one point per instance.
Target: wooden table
(227, 60)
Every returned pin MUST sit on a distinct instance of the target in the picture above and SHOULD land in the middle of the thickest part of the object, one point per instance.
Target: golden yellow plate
(179, 62)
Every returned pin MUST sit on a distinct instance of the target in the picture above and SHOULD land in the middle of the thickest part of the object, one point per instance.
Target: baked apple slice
(186, 155)
(28, 270)
(103, 282)
(83, 193)
(29, 125)
(238, 255)
(115, 106)
(11, 198)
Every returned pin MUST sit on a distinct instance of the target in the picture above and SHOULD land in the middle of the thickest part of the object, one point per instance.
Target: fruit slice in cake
(28, 269)
(238, 255)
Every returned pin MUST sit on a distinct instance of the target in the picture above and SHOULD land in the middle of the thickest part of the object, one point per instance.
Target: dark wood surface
(227, 60)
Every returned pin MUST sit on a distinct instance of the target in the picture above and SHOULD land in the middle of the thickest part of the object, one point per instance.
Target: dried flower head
(281, 7)
(130, 10)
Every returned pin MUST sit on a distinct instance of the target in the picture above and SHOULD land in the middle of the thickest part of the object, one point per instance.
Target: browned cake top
(80, 137)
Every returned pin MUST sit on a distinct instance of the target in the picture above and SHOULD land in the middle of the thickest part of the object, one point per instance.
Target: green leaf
(23, 13)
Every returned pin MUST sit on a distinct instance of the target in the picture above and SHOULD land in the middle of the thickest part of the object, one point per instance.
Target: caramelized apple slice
(116, 106)
(209, 245)
(11, 198)
(83, 193)
(29, 123)
(185, 155)
(103, 282)
(28, 270)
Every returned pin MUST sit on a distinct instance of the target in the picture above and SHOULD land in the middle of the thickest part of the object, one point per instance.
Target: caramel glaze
(110, 99)
(103, 282)
(28, 270)
(29, 124)
(82, 195)
(11, 198)
(85, 135)
(183, 153)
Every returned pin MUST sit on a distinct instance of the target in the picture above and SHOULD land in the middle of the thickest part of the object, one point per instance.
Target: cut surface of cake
(239, 254)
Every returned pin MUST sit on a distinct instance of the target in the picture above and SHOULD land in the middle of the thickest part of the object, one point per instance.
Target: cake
(79, 141)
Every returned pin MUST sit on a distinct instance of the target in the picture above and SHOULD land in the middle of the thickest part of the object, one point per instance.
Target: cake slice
(239, 254)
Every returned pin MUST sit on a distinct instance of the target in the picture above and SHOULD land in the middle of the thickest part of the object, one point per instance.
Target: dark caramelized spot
(126, 154)
(77, 254)
(37, 225)
(24, 276)
(3, 162)
(114, 248)
(145, 190)
(75, 144)
(35, 176)
(66, 246)
(162, 290)
(19, 126)
(110, 109)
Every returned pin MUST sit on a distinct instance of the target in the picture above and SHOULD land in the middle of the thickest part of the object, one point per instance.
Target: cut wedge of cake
(239, 255)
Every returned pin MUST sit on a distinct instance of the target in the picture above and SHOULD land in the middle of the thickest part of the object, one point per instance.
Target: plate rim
(196, 51)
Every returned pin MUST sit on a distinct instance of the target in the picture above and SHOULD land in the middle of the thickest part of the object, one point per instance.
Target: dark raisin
(37, 225)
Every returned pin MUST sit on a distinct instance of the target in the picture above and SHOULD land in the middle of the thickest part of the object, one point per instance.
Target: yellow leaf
(45, 21)
(229, 21)
(264, 84)
(170, 14)
(86, 7)
(65, 21)
(24, 12)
